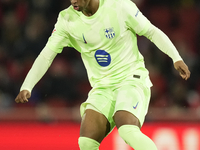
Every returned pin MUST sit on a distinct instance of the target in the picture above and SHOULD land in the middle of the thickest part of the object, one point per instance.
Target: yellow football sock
(135, 138)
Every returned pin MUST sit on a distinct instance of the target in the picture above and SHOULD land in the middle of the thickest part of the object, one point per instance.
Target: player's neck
(92, 8)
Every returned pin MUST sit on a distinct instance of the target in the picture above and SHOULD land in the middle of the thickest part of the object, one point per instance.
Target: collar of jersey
(94, 16)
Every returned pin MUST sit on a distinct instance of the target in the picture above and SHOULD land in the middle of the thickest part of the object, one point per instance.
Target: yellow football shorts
(131, 96)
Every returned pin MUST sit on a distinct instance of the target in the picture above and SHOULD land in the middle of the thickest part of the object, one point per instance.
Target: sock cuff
(85, 142)
(127, 128)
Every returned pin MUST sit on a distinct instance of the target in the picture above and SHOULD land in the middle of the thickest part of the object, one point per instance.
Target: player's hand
(23, 96)
(182, 68)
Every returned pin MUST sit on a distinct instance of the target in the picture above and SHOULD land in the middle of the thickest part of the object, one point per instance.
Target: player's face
(80, 5)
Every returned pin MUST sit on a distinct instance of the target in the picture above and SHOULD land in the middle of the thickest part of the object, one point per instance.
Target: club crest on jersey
(109, 33)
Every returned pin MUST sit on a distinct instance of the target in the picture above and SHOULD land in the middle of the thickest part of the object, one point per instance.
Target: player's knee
(88, 144)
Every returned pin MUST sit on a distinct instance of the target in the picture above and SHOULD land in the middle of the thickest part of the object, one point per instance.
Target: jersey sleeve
(59, 37)
(135, 20)
(39, 68)
(162, 41)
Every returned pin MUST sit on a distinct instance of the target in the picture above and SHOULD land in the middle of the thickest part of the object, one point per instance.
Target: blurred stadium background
(51, 119)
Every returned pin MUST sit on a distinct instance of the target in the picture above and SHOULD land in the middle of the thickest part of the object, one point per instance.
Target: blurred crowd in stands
(25, 26)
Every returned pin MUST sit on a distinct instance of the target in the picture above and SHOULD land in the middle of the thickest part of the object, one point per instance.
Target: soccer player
(104, 32)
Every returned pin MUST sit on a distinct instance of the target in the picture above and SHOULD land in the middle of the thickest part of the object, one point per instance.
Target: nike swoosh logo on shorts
(136, 105)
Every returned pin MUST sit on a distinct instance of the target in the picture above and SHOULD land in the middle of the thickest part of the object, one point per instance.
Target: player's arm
(55, 44)
(137, 22)
(161, 40)
(37, 71)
